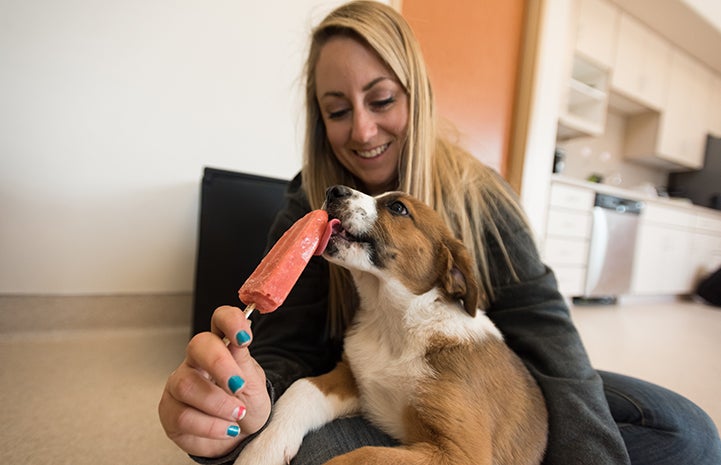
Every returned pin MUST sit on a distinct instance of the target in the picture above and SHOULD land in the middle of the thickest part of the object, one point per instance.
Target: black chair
(236, 212)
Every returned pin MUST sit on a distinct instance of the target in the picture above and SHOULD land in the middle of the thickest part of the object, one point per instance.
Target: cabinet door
(596, 35)
(714, 125)
(684, 121)
(662, 263)
(641, 63)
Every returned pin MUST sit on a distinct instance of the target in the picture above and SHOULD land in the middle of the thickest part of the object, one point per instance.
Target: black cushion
(710, 288)
(236, 212)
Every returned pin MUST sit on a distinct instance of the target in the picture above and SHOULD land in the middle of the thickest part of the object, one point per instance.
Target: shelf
(584, 109)
(582, 93)
(571, 126)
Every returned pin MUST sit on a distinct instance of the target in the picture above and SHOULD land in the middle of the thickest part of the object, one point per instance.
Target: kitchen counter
(675, 244)
(635, 194)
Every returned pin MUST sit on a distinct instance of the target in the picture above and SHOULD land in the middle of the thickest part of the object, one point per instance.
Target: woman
(371, 125)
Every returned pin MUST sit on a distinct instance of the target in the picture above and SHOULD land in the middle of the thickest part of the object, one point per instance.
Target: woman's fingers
(185, 420)
(231, 323)
(193, 430)
(190, 387)
(231, 367)
(207, 353)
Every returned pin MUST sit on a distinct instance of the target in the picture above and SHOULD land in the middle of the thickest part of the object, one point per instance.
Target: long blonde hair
(431, 167)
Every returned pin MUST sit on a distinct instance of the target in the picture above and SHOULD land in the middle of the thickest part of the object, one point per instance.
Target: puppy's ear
(458, 279)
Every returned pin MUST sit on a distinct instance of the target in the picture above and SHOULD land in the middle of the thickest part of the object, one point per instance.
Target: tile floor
(88, 397)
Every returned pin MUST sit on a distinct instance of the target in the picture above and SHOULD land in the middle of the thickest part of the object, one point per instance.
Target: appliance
(701, 186)
(610, 256)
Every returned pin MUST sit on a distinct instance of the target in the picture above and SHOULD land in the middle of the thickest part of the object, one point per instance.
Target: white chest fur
(386, 377)
(386, 348)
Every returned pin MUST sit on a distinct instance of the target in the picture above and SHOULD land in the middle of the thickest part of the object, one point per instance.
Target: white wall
(108, 112)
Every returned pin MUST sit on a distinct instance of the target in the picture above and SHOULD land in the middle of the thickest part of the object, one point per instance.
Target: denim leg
(659, 426)
(338, 437)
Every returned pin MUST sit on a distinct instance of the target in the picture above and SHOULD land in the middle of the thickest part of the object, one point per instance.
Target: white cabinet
(685, 119)
(676, 137)
(596, 32)
(714, 124)
(663, 260)
(568, 231)
(675, 244)
(671, 100)
(641, 64)
(584, 101)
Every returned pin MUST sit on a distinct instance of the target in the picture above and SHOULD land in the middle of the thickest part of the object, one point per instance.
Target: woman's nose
(364, 127)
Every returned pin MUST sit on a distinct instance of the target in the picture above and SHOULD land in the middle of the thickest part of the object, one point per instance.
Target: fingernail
(242, 337)
(233, 431)
(239, 413)
(235, 383)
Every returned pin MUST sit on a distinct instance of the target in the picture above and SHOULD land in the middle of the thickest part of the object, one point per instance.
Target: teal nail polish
(242, 337)
(233, 431)
(235, 383)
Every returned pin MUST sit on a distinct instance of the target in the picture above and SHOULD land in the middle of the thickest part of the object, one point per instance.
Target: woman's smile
(372, 153)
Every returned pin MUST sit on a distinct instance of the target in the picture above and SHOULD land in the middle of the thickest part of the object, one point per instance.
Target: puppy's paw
(269, 449)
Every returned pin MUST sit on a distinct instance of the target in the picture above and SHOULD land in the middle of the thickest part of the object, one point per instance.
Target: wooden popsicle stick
(248, 310)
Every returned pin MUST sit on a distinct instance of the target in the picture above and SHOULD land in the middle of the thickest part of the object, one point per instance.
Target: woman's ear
(458, 280)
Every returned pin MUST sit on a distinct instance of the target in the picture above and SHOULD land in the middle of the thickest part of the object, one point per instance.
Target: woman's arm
(536, 324)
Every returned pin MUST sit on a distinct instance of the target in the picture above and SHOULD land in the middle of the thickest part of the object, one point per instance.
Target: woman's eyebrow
(366, 88)
(375, 81)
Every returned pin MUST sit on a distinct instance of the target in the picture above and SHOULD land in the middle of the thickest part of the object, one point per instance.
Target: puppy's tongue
(326, 236)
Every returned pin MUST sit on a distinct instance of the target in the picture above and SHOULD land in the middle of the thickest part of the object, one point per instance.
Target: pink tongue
(326, 236)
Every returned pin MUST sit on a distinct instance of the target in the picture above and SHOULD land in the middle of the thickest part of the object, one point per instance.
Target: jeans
(659, 427)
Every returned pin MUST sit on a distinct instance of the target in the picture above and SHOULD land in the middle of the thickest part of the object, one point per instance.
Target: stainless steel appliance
(613, 239)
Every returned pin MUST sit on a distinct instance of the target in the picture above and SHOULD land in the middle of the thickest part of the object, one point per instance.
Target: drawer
(565, 251)
(569, 223)
(576, 198)
(671, 216)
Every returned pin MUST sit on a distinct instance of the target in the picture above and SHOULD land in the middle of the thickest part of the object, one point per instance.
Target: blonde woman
(371, 125)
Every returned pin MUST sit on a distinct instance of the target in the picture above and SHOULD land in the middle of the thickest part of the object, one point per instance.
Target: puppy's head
(395, 236)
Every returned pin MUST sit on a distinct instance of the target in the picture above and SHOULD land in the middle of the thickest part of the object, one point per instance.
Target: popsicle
(270, 283)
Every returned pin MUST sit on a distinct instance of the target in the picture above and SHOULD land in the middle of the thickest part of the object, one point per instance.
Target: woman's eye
(398, 208)
(381, 104)
(338, 114)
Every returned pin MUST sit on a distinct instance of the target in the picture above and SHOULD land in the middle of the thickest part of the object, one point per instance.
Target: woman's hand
(217, 396)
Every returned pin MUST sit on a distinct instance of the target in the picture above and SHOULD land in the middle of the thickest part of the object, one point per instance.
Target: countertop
(636, 194)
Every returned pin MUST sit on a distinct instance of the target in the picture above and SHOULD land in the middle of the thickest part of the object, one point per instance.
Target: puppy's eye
(397, 208)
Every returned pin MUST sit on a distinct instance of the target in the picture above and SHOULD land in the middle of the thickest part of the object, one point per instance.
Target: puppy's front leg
(308, 404)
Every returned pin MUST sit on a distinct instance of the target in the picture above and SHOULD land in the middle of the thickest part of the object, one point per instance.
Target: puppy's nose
(337, 192)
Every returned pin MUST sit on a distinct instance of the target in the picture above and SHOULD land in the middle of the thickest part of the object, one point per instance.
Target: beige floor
(674, 344)
(90, 396)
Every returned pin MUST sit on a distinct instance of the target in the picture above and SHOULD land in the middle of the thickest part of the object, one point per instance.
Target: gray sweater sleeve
(536, 324)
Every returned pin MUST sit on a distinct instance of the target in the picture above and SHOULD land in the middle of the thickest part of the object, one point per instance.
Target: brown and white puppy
(421, 361)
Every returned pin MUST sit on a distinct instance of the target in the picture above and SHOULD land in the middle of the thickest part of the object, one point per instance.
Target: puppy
(421, 361)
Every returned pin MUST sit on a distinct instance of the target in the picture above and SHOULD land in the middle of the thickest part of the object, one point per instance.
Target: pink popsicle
(268, 286)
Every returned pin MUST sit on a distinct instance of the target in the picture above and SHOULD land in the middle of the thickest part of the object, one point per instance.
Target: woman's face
(365, 112)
